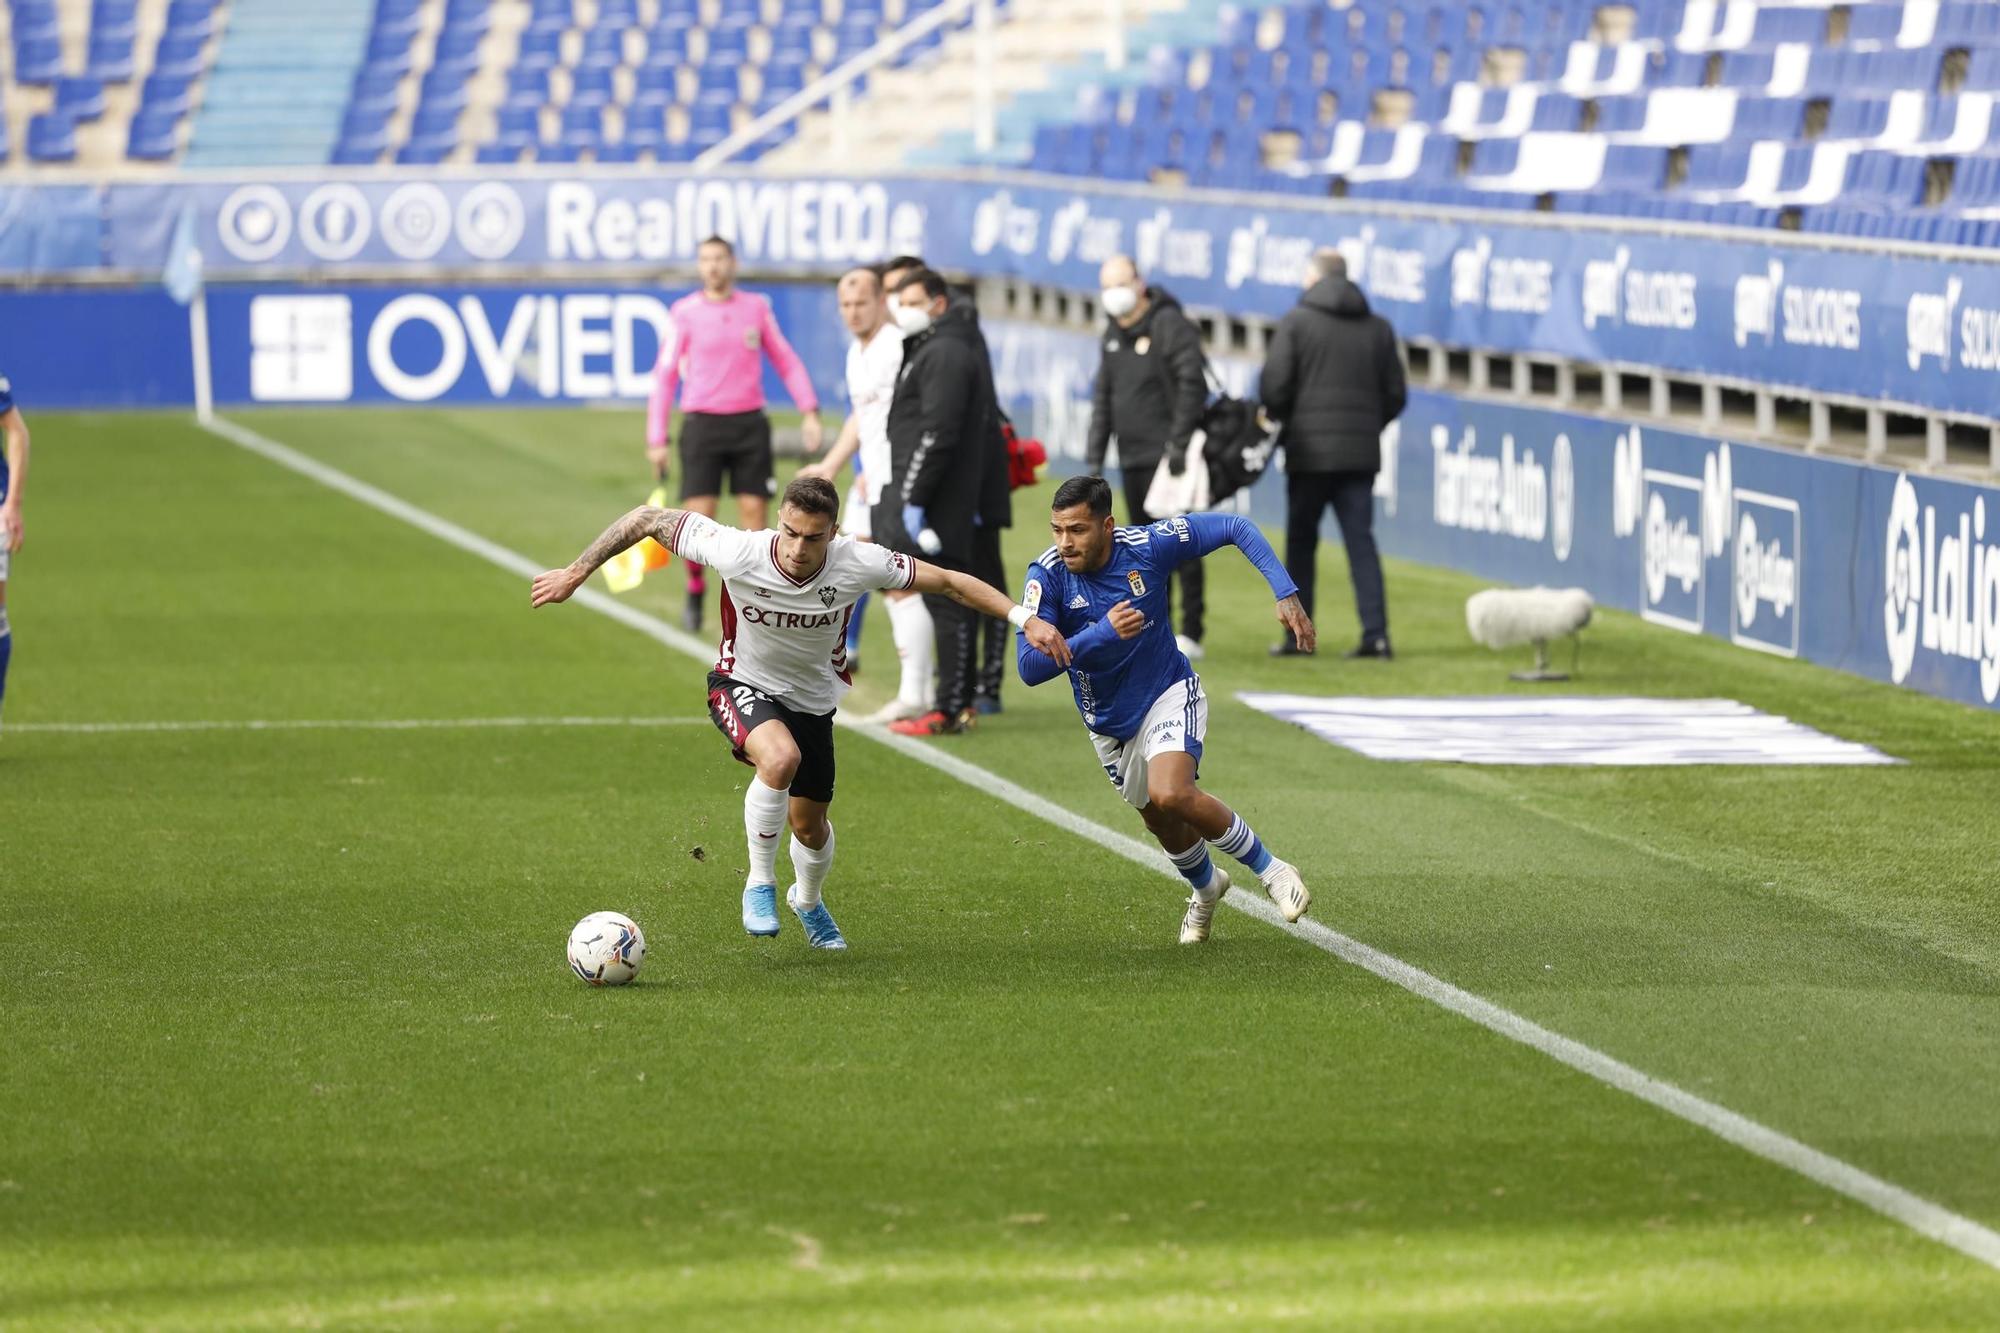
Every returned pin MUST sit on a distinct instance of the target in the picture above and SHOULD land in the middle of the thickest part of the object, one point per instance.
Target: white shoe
(1201, 911)
(1190, 648)
(1287, 890)
(894, 711)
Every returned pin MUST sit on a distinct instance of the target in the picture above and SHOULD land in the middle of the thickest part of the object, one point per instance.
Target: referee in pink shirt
(715, 357)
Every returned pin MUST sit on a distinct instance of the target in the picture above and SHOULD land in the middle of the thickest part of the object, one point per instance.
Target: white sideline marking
(357, 724)
(1961, 1233)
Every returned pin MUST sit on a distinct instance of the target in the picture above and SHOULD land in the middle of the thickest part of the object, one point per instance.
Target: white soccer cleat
(1201, 911)
(1287, 890)
(895, 711)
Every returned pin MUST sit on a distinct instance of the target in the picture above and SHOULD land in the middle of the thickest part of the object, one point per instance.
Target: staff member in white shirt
(874, 359)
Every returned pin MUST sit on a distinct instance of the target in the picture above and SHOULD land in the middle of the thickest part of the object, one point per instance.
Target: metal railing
(836, 86)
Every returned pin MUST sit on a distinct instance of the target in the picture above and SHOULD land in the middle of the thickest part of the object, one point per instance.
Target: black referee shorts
(738, 709)
(736, 443)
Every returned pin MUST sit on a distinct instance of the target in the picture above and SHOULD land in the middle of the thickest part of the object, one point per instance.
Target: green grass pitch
(287, 1039)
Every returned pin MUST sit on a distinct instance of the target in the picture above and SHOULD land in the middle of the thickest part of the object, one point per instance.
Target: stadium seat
(79, 98)
(591, 86)
(182, 56)
(154, 135)
(37, 60)
(51, 138)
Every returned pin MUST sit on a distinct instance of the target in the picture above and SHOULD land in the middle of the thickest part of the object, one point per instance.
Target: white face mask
(912, 320)
(1118, 302)
(895, 304)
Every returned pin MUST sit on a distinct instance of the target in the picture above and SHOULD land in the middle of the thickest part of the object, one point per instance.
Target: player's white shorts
(1177, 721)
(854, 516)
(5, 557)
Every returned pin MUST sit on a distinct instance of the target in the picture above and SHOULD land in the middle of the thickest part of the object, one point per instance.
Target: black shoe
(1288, 648)
(1375, 647)
(691, 614)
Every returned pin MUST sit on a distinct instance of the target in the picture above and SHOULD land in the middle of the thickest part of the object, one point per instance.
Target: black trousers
(1307, 495)
(957, 632)
(996, 637)
(1189, 580)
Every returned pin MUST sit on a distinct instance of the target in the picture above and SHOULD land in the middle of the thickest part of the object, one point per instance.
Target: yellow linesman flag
(628, 569)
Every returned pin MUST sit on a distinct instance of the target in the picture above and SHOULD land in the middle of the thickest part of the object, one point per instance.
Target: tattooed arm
(662, 525)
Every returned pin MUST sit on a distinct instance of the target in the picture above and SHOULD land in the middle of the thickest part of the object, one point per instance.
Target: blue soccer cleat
(760, 909)
(821, 932)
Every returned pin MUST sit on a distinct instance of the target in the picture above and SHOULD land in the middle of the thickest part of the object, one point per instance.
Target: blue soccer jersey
(1117, 680)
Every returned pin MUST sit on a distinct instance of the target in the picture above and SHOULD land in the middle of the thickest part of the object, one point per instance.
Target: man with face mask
(1151, 389)
(947, 497)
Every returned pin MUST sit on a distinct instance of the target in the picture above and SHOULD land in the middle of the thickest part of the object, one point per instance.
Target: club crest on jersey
(752, 338)
(1138, 584)
(826, 596)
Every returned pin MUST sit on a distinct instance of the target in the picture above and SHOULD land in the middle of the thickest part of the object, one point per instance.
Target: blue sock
(854, 625)
(1242, 844)
(1194, 865)
(6, 650)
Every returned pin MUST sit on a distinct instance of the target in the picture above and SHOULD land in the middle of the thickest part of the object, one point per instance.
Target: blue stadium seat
(434, 121)
(165, 94)
(582, 126)
(110, 59)
(646, 124)
(373, 87)
(190, 18)
(556, 151)
(52, 138)
(37, 60)
(591, 86)
(540, 48)
(500, 154)
(79, 98)
(603, 45)
(426, 150)
(718, 81)
(655, 85)
(527, 85)
(458, 50)
(518, 125)
(153, 136)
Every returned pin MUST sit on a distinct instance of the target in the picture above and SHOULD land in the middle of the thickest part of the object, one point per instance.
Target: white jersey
(872, 368)
(787, 638)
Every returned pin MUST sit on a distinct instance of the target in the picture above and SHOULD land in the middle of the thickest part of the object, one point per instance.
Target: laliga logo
(1757, 304)
(1764, 573)
(1904, 570)
(254, 223)
(1628, 482)
(1941, 592)
(1385, 478)
(1672, 552)
(997, 222)
(1927, 322)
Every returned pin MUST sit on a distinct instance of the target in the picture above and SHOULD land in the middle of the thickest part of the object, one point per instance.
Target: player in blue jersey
(13, 473)
(1105, 588)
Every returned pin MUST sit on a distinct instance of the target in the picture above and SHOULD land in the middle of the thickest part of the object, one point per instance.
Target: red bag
(1025, 458)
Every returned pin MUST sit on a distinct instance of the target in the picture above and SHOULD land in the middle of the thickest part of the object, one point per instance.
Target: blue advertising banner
(102, 347)
(1888, 574)
(1765, 308)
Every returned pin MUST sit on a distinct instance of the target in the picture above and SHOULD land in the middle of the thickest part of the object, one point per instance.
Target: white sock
(811, 867)
(763, 821)
(916, 645)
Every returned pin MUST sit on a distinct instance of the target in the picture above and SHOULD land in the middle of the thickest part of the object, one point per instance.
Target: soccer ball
(606, 948)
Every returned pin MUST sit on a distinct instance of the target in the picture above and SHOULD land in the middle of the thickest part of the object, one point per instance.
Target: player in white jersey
(874, 359)
(786, 597)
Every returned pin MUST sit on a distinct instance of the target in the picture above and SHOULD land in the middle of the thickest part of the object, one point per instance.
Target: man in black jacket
(948, 497)
(1151, 389)
(1334, 377)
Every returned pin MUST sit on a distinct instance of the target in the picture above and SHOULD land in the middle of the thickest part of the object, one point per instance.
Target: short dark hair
(872, 270)
(1092, 491)
(812, 495)
(716, 240)
(933, 285)
(902, 262)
